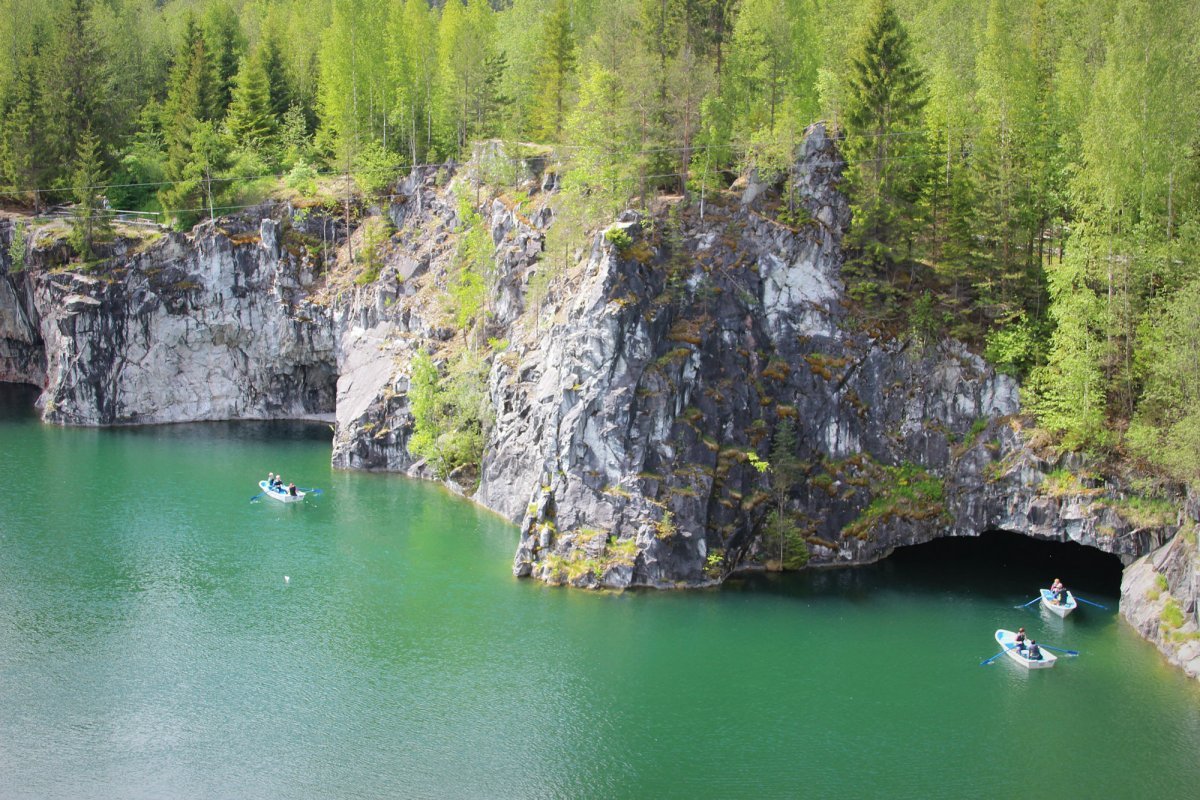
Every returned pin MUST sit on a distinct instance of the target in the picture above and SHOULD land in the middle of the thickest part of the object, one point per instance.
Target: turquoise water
(150, 647)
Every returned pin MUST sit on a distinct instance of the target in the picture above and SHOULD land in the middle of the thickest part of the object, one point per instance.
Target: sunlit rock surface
(633, 399)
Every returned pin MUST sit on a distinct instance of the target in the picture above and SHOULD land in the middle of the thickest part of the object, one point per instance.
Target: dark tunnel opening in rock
(18, 399)
(1007, 564)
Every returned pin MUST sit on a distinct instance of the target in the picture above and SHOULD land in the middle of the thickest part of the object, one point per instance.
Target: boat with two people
(1022, 655)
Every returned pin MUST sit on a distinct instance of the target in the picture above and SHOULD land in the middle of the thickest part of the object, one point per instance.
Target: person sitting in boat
(292, 489)
(1056, 588)
(270, 479)
(1061, 598)
(1035, 652)
(1020, 640)
(278, 484)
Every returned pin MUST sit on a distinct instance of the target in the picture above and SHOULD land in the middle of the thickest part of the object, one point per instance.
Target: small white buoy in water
(286, 579)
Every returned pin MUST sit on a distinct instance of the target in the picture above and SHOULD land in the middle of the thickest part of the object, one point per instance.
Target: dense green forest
(1024, 174)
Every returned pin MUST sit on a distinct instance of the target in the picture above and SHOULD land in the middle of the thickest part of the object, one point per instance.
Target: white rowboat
(281, 494)
(1063, 609)
(1008, 641)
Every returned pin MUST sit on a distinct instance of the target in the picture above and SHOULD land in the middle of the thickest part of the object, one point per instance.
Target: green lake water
(151, 648)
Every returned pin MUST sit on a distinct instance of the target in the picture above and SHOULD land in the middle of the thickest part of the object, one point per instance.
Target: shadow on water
(17, 402)
(269, 431)
(997, 565)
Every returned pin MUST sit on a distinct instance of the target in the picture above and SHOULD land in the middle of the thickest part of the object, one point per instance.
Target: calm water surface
(150, 648)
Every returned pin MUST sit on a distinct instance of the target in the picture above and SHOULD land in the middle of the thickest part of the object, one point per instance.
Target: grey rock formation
(1160, 596)
(633, 417)
(215, 325)
(22, 352)
(633, 406)
(383, 325)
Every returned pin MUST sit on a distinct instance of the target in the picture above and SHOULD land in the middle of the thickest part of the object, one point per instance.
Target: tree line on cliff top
(1023, 173)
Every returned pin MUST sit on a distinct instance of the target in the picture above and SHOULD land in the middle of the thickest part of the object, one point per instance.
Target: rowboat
(1008, 641)
(281, 494)
(1063, 609)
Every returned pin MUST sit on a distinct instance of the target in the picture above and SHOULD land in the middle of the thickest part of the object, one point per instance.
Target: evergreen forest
(1024, 174)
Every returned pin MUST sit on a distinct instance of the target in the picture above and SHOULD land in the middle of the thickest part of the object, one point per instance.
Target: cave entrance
(1004, 564)
(18, 399)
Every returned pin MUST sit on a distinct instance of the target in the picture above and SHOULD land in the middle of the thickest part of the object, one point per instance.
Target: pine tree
(193, 79)
(883, 140)
(225, 43)
(89, 222)
(22, 153)
(951, 199)
(552, 75)
(785, 470)
(1068, 392)
(250, 120)
(279, 85)
(493, 102)
(75, 88)
(663, 24)
(1008, 97)
(189, 101)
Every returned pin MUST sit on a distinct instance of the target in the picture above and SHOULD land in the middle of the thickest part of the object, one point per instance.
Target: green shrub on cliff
(450, 412)
(905, 492)
(619, 238)
(471, 270)
(16, 248)
(375, 169)
(376, 232)
(1172, 615)
(302, 178)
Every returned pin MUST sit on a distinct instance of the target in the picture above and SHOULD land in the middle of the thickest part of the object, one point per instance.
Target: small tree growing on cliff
(779, 526)
(17, 244)
(90, 222)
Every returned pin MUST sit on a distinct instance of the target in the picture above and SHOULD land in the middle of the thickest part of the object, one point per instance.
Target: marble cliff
(633, 394)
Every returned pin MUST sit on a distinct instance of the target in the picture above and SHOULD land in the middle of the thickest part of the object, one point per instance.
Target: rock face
(637, 395)
(1159, 594)
(214, 325)
(383, 325)
(22, 352)
(627, 435)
